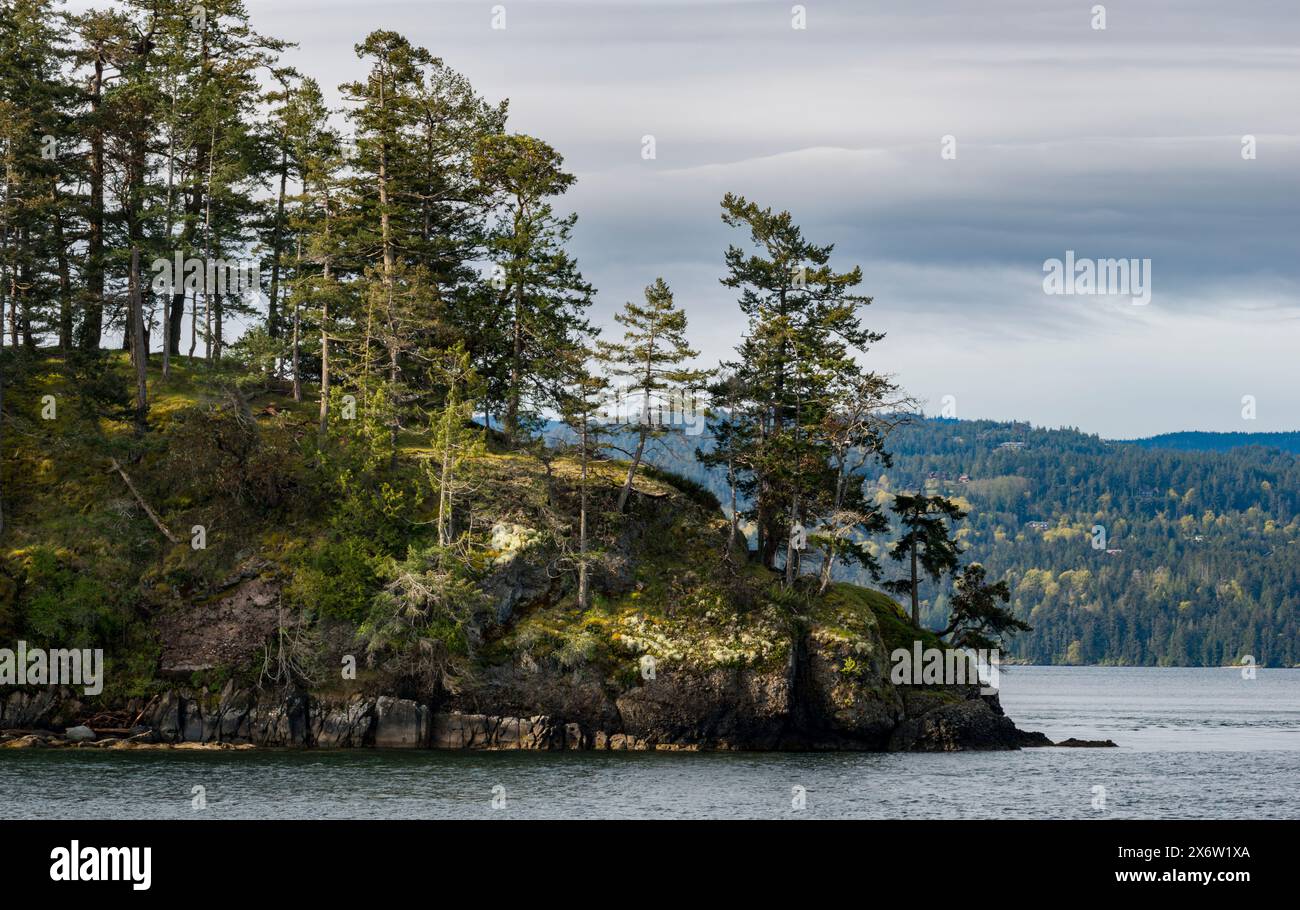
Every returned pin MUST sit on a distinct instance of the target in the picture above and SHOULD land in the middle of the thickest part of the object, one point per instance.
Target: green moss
(896, 629)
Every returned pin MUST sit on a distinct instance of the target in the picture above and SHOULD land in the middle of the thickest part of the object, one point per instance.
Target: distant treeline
(1197, 441)
(1196, 564)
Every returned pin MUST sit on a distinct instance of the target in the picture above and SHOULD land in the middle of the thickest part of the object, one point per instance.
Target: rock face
(714, 709)
(223, 631)
(730, 679)
(517, 576)
(719, 710)
(955, 727)
(25, 710)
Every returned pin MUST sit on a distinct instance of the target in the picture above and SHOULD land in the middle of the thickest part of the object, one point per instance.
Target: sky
(1122, 142)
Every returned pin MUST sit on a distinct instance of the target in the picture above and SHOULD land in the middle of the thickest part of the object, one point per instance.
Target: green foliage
(977, 620)
(1202, 567)
(774, 429)
(423, 626)
(925, 541)
(62, 605)
(337, 579)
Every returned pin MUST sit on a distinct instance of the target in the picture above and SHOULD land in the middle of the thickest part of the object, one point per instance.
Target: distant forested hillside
(1197, 441)
(1200, 563)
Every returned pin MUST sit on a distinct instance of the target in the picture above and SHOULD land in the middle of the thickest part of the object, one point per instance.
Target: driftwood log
(153, 516)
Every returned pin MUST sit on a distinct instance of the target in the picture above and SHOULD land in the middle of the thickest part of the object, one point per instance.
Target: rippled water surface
(1193, 744)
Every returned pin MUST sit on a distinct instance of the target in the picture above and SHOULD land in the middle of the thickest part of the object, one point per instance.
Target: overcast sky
(1124, 142)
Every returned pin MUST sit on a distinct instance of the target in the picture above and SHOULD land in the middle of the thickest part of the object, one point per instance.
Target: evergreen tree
(976, 620)
(803, 330)
(581, 399)
(864, 409)
(926, 543)
(541, 295)
(649, 361)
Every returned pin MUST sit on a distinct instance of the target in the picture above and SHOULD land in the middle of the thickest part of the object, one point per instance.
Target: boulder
(79, 734)
(1087, 743)
(30, 709)
(345, 725)
(516, 577)
(400, 723)
(960, 726)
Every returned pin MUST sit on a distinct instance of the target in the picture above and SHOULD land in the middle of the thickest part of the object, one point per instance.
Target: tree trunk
(515, 392)
(139, 349)
(324, 368)
(916, 607)
(631, 470)
(273, 309)
(65, 282)
(212, 343)
(445, 477)
(583, 594)
(386, 238)
(93, 320)
(297, 382)
(325, 342)
(516, 370)
(790, 550)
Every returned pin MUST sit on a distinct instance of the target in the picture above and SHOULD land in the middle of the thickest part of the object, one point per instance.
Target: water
(1193, 744)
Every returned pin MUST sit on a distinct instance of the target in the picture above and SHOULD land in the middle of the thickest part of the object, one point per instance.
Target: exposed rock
(519, 572)
(964, 725)
(845, 697)
(31, 741)
(683, 706)
(224, 631)
(481, 731)
(1088, 743)
(79, 734)
(400, 723)
(31, 709)
(460, 731)
(342, 726)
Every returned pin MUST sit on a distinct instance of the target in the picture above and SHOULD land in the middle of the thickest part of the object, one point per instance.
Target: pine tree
(803, 329)
(315, 159)
(864, 409)
(926, 543)
(649, 361)
(457, 447)
(541, 295)
(581, 398)
(976, 620)
(35, 127)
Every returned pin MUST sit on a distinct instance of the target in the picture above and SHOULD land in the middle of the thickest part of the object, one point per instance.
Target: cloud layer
(1122, 142)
